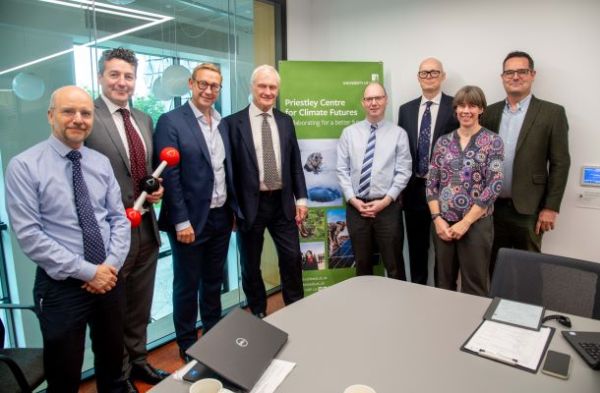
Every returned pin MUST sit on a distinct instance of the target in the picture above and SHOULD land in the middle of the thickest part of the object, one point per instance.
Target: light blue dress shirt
(510, 128)
(41, 208)
(392, 164)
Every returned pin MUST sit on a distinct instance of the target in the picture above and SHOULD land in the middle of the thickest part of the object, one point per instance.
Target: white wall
(471, 37)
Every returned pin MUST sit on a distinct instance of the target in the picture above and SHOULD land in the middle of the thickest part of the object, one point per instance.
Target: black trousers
(418, 229)
(386, 230)
(138, 275)
(287, 243)
(198, 270)
(64, 310)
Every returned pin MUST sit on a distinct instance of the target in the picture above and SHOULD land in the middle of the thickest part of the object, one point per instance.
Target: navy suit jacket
(245, 165)
(189, 185)
(408, 118)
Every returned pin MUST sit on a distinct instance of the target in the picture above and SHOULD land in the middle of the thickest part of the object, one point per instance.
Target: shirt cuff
(86, 272)
(302, 202)
(182, 225)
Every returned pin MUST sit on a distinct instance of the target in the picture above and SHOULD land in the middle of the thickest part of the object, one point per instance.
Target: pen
(498, 357)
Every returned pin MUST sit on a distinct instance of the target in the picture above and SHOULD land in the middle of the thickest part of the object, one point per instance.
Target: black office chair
(21, 369)
(559, 283)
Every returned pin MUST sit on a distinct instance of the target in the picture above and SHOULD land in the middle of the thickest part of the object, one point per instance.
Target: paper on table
(518, 313)
(273, 376)
(509, 344)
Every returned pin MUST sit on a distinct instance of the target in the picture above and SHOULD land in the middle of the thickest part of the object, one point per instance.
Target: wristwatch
(435, 215)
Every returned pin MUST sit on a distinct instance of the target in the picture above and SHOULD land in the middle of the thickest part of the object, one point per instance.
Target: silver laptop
(239, 348)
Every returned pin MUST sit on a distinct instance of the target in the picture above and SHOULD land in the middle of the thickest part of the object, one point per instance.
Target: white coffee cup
(359, 389)
(207, 385)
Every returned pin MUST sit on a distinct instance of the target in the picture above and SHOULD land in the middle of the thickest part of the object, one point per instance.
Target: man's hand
(157, 195)
(301, 214)
(546, 221)
(186, 236)
(358, 205)
(443, 229)
(104, 280)
(374, 207)
(459, 229)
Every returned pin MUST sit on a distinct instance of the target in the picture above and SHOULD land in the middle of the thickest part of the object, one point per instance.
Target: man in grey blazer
(536, 159)
(124, 135)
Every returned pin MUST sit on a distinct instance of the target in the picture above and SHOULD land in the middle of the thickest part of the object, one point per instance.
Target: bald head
(71, 115)
(431, 75)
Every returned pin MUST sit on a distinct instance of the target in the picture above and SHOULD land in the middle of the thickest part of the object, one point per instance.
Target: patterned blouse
(460, 178)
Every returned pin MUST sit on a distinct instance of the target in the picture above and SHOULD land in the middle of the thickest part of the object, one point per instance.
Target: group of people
(450, 160)
(66, 199)
(486, 177)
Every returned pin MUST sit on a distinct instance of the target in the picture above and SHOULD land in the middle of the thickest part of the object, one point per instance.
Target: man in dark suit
(124, 135)
(271, 189)
(425, 119)
(199, 204)
(536, 163)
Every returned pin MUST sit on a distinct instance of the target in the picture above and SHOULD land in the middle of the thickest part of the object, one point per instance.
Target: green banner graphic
(323, 98)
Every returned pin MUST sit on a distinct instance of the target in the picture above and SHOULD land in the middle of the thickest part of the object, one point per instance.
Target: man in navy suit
(272, 189)
(198, 206)
(437, 107)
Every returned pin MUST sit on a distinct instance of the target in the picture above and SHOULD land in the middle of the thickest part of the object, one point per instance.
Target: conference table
(401, 337)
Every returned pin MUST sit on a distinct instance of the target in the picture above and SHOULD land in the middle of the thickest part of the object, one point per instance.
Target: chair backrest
(558, 283)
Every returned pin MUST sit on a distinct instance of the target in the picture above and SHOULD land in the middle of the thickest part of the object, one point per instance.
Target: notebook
(587, 345)
(239, 348)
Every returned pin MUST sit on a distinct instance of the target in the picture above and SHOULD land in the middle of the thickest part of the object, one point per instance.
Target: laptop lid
(240, 347)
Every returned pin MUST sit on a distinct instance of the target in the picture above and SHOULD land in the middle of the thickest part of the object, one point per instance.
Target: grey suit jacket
(542, 160)
(105, 139)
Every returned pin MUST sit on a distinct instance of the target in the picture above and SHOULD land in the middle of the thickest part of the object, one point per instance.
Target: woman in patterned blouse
(465, 177)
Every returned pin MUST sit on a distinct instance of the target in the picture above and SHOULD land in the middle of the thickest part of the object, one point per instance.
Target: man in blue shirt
(65, 208)
(373, 167)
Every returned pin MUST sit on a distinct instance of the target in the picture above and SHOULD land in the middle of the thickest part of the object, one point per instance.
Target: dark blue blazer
(408, 118)
(189, 185)
(245, 165)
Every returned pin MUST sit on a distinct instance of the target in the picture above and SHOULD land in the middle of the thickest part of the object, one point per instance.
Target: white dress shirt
(256, 121)
(434, 109)
(118, 119)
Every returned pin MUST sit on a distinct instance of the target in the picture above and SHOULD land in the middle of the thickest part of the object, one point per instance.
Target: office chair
(21, 369)
(558, 283)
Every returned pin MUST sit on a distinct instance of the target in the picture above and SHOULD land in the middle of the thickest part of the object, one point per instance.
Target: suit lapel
(530, 116)
(443, 112)
(105, 117)
(245, 130)
(413, 128)
(283, 136)
(196, 131)
(146, 133)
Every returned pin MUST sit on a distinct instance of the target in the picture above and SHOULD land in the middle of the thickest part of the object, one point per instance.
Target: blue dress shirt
(392, 164)
(41, 208)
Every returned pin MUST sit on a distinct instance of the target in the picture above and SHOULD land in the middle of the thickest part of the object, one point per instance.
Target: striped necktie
(365, 172)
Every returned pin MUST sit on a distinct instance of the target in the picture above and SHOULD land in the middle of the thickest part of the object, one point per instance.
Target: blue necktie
(365, 173)
(93, 245)
(424, 142)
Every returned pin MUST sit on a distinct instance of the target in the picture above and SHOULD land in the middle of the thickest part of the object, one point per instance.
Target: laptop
(239, 348)
(587, 345)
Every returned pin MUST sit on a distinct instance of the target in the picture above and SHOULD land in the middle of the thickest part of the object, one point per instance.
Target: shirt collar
(59, 146)
(200, 116)
(112, 107)
(436, 100)
(521, 105)
(256, 111)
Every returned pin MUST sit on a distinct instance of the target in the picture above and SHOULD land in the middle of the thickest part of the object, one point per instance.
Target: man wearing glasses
(373, 167)
(536, 159)
(425, 119)
(198, 206)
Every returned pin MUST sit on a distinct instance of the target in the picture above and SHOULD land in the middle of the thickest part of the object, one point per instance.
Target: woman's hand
(442, 229)
(459, 229)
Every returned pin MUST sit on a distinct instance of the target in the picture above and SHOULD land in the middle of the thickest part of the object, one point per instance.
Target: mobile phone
(557, 364)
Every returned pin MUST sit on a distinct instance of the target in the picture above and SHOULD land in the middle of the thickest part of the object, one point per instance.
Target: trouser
(64, 310)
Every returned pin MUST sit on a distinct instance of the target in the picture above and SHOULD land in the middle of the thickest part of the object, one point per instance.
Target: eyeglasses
(429, 74)
(203, 85)
(377, 99)
(69, 112)
(520, 72)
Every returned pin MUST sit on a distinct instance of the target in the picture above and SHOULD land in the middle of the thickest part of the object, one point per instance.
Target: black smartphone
(557, 364)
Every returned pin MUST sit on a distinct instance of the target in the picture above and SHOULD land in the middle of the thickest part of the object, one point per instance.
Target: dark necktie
(364, 184)
(271, 175)
(137, 153)
(424, 142)
(93, 245)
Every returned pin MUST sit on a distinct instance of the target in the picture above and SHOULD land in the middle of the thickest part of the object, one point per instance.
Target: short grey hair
(266, 69)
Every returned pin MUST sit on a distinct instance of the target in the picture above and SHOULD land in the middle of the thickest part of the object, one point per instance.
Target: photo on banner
(324, 97)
